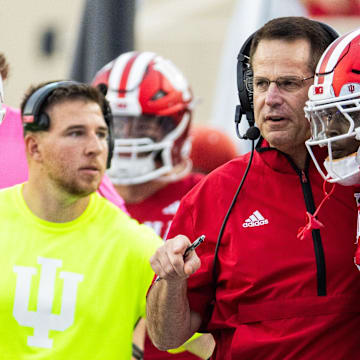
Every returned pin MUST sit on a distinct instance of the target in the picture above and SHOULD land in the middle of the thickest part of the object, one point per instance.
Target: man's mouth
(90, 168)
(338, 153)
(274, 118)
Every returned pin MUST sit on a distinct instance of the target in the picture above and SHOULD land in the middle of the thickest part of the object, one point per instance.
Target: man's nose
(95, 145)
(126, 129)
(273, 95)
(333, 125)
(332, 131)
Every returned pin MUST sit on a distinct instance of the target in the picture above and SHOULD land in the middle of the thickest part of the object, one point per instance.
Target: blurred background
(48, 40)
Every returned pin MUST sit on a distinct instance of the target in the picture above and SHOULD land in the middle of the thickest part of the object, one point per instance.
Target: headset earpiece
(110, 123)
(245, 92)
(103, 88)
(245, 87)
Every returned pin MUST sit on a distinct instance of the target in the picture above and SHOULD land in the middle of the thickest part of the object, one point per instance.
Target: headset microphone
(252, 132)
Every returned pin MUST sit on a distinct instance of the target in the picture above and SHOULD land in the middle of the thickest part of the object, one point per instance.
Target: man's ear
(33, 146)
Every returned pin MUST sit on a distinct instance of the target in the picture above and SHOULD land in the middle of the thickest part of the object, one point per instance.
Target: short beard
(74, 189)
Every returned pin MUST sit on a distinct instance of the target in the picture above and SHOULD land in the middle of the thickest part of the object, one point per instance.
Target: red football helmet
(210, 148)
(333, 110)
(151, 102)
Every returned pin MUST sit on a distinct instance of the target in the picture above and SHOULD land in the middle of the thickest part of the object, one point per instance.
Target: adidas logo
(256, 219)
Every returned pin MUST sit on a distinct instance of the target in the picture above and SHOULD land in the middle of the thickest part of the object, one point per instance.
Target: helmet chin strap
(312, 222)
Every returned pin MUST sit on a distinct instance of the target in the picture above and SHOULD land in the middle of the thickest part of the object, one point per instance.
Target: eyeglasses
(284, 83)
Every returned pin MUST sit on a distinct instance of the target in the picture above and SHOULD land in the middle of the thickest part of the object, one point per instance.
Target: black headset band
(36, 100)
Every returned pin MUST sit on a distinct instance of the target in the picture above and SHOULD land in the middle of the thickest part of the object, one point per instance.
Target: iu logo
(351, 88)
(42, 320)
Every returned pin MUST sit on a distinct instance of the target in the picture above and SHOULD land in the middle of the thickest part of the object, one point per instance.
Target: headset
(35, 119)
(245, 92)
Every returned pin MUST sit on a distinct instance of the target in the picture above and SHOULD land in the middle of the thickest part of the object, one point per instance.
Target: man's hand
(168, 261)
(169, 319)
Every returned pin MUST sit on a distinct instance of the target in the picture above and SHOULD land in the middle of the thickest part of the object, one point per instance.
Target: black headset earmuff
(108, 116)
(244, 74)
(34, 119)
(244, 84)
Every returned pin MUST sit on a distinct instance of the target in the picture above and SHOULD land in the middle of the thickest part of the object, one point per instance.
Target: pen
(192, 247)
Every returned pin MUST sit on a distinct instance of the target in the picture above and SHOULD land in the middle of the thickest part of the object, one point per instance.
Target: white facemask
(128, 170)
(345, 171)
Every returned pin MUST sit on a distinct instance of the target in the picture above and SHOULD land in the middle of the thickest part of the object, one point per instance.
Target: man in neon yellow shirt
(75, 268)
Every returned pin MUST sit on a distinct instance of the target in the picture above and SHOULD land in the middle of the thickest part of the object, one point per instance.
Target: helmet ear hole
(159, 94)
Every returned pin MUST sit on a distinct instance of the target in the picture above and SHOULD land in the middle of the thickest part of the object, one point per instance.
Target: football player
(333, 110)
(152, 105)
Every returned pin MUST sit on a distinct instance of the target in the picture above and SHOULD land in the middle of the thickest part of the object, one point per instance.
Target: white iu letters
(42, 320)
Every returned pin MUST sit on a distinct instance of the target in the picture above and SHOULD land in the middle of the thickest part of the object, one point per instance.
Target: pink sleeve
(13, 164)
(107, 190)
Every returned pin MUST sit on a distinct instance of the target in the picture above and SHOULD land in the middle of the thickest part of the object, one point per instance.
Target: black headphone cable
(229, 210)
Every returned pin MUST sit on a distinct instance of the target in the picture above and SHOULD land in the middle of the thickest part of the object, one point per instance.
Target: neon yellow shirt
(71, 290)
